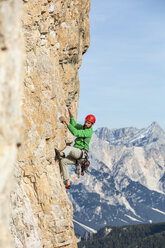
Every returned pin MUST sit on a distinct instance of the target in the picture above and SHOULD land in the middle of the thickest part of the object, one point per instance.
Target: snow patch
(123, 221)
(85, 227)
(123, 201)
(134, 219)
(107, 230)
(98, 210)
(157, 210)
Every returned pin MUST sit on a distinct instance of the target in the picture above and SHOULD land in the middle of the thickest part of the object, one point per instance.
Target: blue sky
(122, 77)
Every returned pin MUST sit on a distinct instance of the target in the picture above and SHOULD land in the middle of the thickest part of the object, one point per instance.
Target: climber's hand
(64, 120)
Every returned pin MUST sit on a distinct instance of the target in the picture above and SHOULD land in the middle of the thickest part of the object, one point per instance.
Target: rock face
(126, 183)
(56, 34)
(11, 61)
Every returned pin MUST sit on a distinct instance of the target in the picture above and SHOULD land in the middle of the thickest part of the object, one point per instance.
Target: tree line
(134, 236)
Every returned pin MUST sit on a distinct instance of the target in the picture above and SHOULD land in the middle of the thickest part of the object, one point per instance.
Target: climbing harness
(82, 163)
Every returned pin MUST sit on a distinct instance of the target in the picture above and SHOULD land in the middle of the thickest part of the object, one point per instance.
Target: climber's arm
(74, 123)
(72, 120)
(80, 133)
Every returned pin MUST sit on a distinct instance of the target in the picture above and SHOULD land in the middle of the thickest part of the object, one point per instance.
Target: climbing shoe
(57, 154)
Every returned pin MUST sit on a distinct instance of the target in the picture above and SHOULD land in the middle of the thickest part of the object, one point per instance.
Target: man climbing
(71, 154)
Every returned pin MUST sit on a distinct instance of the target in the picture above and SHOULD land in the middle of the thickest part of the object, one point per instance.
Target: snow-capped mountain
(126, 179)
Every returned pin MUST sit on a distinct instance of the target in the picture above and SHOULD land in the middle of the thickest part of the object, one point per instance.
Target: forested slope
(139, 236)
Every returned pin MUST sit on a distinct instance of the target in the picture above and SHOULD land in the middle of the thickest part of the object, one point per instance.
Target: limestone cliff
(11, 58)
(56, 34)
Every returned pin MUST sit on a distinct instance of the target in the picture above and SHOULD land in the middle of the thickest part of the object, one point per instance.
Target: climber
(77, 152)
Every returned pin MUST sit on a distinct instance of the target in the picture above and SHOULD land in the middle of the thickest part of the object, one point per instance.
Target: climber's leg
(64, 167)
(68, 156)
(72, 152)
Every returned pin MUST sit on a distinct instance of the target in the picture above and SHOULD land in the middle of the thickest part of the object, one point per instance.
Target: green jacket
(83, 135)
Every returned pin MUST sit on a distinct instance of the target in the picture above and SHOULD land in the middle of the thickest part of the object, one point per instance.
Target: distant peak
(155, 125)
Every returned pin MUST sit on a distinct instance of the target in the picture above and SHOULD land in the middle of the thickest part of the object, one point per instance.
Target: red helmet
(91, 118)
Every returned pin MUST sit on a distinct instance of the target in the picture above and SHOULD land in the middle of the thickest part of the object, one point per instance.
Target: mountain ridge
(116, 134)
(125, 181)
